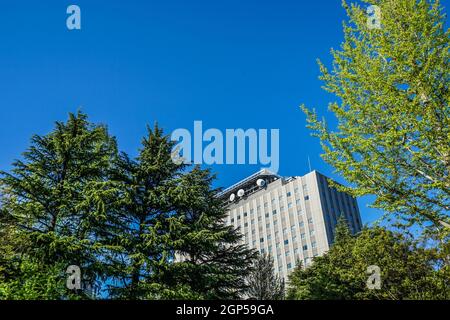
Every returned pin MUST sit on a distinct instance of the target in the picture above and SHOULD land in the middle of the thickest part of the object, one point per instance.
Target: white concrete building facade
(292, 219)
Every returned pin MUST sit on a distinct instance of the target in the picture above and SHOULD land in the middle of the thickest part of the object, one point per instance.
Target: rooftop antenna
(309, 163)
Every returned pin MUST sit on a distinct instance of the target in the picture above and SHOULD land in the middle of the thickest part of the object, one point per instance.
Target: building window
(305, 247)
(303, 236)
(246, 224)
(287, 253)
(275, 222)
(274, 212)
(253, 221)
(245, 214)
(232, 220)
(314, 244)
(286, 242)
(289, 265)
(267, 214)
(310, 220)
(311, 233)
(288, 194)
(306, 197)
(239, 217)
(261, 240)
(290, 205)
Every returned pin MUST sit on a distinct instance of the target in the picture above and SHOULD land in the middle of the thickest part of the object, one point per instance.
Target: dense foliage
(144, 228)
(47, 218)
(392, 88)
(263, 282)
(407, 270)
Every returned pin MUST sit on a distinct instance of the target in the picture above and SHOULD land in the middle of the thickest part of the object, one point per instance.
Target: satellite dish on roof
(241, 193)
(261, 182)
(232, 197)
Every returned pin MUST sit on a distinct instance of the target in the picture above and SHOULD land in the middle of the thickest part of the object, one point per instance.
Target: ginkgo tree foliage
(391, 86)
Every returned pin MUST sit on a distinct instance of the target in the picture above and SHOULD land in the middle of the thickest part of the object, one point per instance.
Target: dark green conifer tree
(167, 234)
(263, 282)
(48, 216)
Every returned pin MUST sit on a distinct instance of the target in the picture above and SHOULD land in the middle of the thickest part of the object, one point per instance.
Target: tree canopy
(143, 228)
(407, 270)
(263, 282)
(392, 87)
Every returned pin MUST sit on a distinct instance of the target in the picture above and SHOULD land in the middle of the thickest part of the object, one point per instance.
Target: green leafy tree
(407, 271)
(147, 228)
(48, 218)
(167, 234)
(263, 282)
(8, 260)
(393, 134)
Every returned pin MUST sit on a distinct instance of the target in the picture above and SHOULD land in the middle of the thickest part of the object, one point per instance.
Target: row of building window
(304, 247)
(280, 198)
(285, 230)
(267, 215)
(293, 232)
(275, 222)
(289, 265)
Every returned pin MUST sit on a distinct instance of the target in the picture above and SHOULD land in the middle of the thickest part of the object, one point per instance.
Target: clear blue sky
(230, 63)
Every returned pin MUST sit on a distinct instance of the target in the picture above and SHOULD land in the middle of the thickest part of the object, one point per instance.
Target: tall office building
(292, 219)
